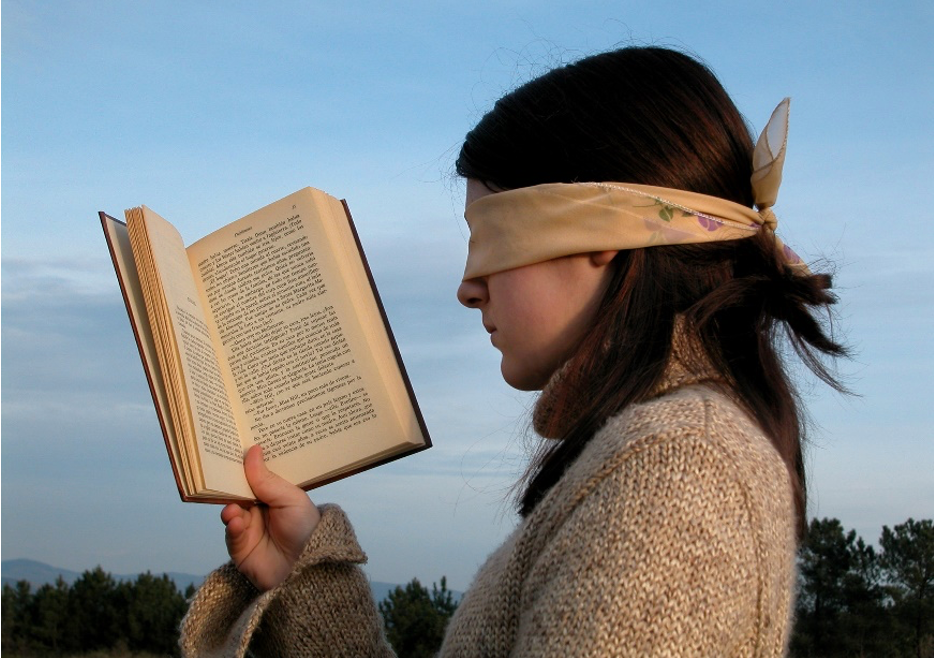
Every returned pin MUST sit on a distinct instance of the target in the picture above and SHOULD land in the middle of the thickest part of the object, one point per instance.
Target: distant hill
(39, 573)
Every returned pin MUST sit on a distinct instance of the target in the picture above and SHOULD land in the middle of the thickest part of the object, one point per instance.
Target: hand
(264, 540)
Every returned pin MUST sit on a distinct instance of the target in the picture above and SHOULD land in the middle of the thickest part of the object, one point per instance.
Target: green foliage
(854, 602)
(94, 610)
(94, 616)
(908, 563)
(51, 620)
(415, 618)
(838, 593)
(154, 609)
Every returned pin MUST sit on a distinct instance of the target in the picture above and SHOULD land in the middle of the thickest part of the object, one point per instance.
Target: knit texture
(323, 608)
(672, 534)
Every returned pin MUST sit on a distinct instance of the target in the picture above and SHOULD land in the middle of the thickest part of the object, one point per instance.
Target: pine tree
(839, 608)
(51, 625)
(415, 619)
(908, 564)
(93, 605)
(154, 610)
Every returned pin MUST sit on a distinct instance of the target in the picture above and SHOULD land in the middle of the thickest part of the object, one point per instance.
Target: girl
(621, 269)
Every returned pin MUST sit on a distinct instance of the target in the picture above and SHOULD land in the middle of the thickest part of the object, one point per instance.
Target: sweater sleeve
(664, 553)
(323, 608)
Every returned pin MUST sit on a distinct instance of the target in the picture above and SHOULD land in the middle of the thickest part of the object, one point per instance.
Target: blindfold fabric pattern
(529, 225)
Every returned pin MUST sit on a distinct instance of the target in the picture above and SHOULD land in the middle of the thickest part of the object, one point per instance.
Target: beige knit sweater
(671, 535)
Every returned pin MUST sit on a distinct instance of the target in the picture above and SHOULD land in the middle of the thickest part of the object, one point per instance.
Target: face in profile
(536, 315)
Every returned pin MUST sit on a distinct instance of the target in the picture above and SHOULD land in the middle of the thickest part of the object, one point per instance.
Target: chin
(523, 381)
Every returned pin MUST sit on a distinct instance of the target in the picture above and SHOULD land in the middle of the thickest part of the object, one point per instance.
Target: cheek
(571, 315)
(540, 341)
(542, 316)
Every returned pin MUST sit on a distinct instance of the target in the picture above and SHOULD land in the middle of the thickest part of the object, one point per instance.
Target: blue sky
(206, 111)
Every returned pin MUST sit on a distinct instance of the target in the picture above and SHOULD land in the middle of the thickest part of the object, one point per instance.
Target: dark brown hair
(656, 116)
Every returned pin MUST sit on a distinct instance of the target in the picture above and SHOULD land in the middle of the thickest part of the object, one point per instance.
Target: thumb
(268, 487)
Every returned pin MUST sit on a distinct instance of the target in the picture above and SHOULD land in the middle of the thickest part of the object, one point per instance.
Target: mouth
(489, 328)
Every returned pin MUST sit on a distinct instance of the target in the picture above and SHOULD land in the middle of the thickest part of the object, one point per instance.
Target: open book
(268, 331)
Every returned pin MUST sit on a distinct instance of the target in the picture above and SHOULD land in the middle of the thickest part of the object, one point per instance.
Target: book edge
(104, 217)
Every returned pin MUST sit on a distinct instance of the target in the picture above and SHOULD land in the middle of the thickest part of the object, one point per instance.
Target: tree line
(852, 600)
(95, 613)
(98, 614)
(856, 601)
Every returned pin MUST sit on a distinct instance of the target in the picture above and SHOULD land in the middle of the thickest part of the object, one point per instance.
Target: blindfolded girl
(624, 259)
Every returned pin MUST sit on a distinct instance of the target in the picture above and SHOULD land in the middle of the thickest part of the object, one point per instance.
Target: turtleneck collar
(688, 364)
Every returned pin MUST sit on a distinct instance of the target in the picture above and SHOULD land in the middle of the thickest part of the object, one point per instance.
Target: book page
(378, 334)
(187, 352)
(295, 350)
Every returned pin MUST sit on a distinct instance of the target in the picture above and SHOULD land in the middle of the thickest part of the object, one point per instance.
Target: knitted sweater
(672, 534)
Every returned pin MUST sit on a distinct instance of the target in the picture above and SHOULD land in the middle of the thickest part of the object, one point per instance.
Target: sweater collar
(687, 365)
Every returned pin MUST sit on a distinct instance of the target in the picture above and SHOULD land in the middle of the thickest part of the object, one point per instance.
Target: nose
(472, 293)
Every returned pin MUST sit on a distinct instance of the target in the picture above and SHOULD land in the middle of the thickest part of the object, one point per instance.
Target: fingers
(244, 530)
(237, 520)
(231, 512)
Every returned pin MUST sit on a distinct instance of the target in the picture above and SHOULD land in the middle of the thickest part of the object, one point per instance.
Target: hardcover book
(269, 330)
